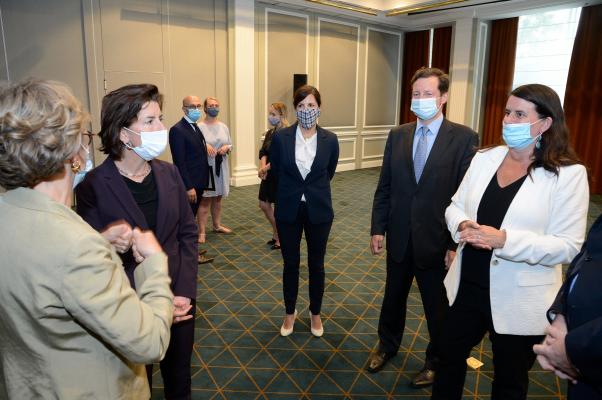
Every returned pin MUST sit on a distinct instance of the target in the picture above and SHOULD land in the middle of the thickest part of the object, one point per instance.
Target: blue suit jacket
(189, 154)
(103, 198)
(291, 185)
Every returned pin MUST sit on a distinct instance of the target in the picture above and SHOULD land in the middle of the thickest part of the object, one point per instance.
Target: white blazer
(545, 227)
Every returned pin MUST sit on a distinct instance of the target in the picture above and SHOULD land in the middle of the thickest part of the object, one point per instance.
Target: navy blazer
(404, 208)
(315, 186)
(189, 154)
(582, 308)
(103, 198)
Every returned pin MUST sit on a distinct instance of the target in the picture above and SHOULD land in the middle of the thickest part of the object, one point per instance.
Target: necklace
(140, 175)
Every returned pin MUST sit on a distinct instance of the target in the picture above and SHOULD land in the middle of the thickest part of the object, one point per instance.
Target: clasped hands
(212, 151)
(551, 353)
(481, 236)
(121, 235)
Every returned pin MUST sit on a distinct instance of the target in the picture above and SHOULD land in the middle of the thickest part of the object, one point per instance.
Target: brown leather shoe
(378, 360)
(425, 378)
(203, 251)
(205, 260)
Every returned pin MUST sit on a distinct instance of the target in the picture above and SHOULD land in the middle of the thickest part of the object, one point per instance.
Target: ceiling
(482, 9)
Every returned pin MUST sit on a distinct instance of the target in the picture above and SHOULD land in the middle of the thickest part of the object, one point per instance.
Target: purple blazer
(103, 198)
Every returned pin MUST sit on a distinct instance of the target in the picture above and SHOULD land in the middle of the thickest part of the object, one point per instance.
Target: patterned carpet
(239, 353)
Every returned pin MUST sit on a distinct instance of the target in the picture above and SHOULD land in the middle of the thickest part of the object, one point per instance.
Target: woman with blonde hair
(269, 182)
(71, 325)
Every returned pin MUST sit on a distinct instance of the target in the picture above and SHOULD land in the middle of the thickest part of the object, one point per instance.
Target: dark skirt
(267, 189)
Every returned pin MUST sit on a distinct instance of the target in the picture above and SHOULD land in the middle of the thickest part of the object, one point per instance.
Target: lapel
(441, 145)
(291, 137)
(123, 195)
(407, 141)
(165, 191)
(321, 150)
(190, 131)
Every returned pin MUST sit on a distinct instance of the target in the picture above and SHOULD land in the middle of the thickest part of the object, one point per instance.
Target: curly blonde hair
(40, 129)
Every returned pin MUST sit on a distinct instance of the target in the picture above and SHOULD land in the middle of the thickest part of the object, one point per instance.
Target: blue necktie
(420, 156)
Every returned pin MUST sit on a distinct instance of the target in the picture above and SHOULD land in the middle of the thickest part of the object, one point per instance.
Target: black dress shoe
(271, 242)
(378, 360)
(425, 378)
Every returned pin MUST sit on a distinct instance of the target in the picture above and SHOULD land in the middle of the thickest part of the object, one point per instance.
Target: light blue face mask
(425, 109)
(213, 111)
(80, 175)
(518, 136)
(194, 114)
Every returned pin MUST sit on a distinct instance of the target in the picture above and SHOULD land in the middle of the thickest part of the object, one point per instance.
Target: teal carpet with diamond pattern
(239, 353)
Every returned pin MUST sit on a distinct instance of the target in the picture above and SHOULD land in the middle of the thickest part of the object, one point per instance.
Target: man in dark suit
(423, 165)
(573, 345)
(189, 154)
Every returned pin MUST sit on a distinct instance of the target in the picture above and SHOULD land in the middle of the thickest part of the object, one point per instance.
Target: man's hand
(376, 244)
(119, 234)
(551, 354)
(181, 307)
(449, 258)
(191, 195)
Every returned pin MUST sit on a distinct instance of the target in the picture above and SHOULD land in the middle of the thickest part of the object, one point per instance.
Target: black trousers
(393, 311)
(468, 320)
(316, 237)
(175, 367)
(582, 391)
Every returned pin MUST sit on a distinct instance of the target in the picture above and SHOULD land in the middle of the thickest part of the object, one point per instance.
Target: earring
(75, 166)
(538, 143)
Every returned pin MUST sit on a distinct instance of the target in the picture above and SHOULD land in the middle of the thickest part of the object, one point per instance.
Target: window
(544, 47)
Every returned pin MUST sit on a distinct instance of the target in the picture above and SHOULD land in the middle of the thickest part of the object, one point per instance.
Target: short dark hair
(554, 150)
(302, 92)
(427, 73)
(120, 109)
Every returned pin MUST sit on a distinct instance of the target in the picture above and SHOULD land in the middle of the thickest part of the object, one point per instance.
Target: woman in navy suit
(304, 157)
(133, 189)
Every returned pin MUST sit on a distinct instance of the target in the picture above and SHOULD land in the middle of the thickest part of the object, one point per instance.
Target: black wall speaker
(298, 81)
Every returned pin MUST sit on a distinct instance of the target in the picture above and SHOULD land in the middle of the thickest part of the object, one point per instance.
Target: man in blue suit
(189, 154)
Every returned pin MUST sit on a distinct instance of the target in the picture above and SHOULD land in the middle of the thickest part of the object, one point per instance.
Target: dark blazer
(291, 185)
(189, 154)
(404, 208)
(582, 308)
(103, 198)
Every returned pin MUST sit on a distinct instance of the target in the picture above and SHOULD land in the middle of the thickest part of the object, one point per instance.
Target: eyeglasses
(194, 107)
(87, 140)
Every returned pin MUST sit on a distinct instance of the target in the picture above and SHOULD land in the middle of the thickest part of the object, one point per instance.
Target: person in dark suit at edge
(572, 347)
(131, 188)
(423, 165)
(189, 154)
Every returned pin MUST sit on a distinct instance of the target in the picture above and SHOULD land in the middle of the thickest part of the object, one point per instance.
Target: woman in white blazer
(519, 213)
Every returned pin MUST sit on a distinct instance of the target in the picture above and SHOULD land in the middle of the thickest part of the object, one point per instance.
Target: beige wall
(355, 66)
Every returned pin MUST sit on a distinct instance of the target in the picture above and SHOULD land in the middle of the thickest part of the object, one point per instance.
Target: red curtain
(415, 55)
(500, 72)
(583, 96)
(442, 51)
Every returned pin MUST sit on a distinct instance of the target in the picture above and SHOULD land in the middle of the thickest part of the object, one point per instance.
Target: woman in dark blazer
(133, 189)
(304, 158)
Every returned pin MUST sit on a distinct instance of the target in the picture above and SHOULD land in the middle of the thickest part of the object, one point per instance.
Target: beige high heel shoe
(284, 331)
(316, 332)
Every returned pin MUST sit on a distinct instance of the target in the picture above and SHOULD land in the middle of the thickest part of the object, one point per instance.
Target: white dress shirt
(305, 152)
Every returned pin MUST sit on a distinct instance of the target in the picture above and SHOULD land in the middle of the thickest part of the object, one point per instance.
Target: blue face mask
(194, 114)
(81, 174)
(518, 136)
(213, 111)
(425, 109)
(274, 121)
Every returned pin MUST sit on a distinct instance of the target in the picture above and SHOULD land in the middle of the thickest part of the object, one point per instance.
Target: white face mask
(152, 144)
(80, 175)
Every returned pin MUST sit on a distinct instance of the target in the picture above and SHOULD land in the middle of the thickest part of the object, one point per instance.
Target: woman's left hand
(224, 149)
(181, 307)
(484, 237)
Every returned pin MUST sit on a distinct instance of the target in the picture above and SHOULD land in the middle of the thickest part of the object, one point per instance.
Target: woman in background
(219, 144)
(71, 325)
(269, 182)
(131, 185)
(304, 157)
(519, 213)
